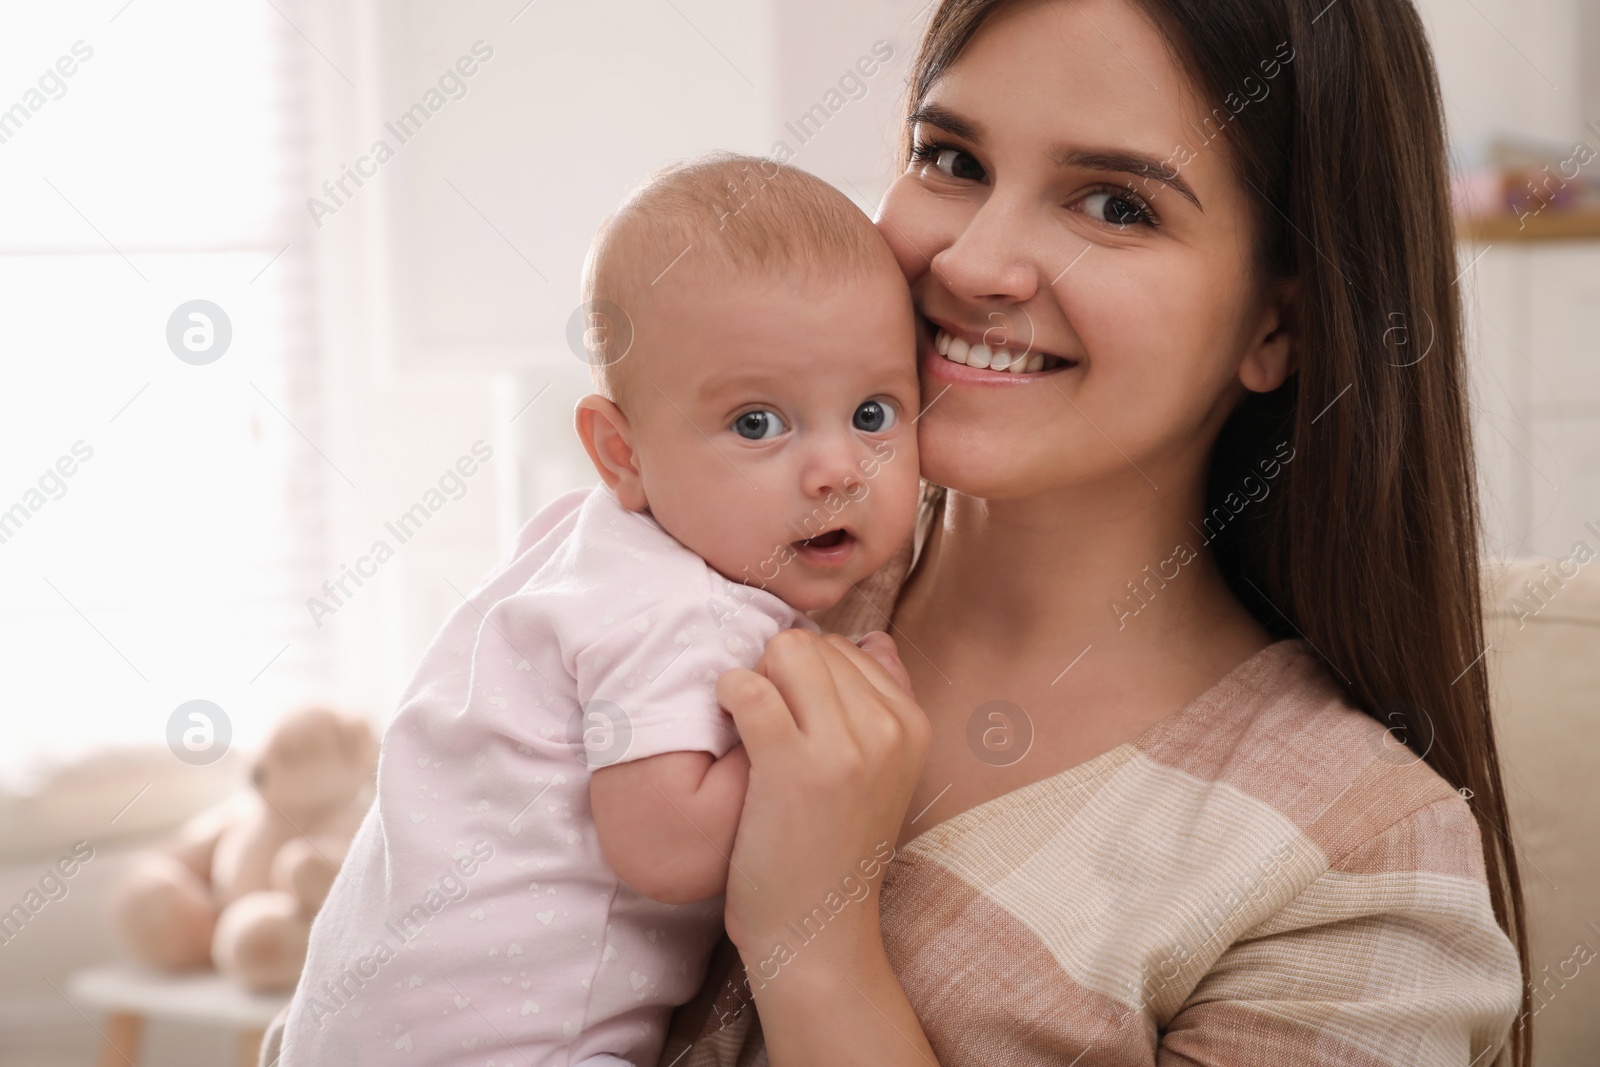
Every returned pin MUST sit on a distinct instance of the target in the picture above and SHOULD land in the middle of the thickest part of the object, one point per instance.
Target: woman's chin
(952, 457)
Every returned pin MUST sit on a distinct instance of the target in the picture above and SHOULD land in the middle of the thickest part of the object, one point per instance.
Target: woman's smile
(992, 349)
(951, 354)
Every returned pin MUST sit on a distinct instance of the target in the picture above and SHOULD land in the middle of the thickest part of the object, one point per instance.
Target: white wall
(1532, 310)
(1513, 66)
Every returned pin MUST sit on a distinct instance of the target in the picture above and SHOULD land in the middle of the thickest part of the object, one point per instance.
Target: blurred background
(272, 268)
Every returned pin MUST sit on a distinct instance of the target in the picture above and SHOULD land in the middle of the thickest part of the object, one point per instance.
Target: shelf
(1545, 226)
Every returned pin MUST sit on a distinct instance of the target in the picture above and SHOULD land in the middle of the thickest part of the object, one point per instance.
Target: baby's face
(774, 424)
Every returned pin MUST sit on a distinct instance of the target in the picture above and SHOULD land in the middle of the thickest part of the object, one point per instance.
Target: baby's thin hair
(751, 215)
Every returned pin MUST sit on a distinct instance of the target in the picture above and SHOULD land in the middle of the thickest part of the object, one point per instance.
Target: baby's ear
(608, 438)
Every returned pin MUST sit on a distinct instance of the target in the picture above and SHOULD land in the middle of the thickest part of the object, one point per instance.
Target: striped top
(1265, 877)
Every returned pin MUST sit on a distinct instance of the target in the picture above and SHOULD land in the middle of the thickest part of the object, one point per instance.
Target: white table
(132, 995)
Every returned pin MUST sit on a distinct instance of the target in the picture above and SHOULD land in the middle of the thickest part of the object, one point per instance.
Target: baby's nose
(832, 469)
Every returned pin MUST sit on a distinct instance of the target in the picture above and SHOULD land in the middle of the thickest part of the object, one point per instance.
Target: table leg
(120, 1047)
(250, 1047)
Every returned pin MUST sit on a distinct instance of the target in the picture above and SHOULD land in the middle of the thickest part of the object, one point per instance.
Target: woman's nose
(989, 261)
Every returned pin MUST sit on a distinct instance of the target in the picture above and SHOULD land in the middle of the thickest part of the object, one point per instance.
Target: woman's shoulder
(1280, 731)
(1377, 883)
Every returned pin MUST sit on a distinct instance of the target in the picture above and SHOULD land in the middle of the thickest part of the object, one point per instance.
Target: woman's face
(1024, 222)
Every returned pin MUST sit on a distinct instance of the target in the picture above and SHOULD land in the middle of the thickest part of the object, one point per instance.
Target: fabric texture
(1264, 878)
(475, 917)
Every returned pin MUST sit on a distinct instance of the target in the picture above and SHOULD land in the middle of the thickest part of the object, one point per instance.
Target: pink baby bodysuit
(475, 920)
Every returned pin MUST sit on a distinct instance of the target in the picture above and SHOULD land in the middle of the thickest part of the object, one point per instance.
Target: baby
(540, 880)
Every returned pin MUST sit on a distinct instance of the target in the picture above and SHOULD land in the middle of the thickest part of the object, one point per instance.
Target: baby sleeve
(647, 684)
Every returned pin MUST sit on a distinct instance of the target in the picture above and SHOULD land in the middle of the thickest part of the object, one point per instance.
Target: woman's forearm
(837, 1003)
(831, 776)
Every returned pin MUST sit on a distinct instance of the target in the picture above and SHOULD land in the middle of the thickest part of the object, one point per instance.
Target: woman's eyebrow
(946, 120)
(1107, 159)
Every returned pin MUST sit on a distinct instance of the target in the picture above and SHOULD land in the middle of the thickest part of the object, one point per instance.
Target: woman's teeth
(982, 356)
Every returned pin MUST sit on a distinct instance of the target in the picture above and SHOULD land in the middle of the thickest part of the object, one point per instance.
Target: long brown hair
(1369, 547)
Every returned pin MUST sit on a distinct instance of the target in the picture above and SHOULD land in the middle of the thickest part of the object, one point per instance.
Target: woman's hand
(836, 745)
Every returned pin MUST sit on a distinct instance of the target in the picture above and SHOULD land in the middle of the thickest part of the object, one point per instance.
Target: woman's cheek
(916, 225)
(1139, 370)
(892, 220)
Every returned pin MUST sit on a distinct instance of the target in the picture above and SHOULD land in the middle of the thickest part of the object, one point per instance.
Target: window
(155, 514)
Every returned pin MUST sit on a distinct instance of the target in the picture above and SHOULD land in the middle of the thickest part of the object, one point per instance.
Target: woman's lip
(940, 369)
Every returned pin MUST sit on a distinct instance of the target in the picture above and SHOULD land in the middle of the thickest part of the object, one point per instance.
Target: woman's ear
(1273, 352)
(609, 440)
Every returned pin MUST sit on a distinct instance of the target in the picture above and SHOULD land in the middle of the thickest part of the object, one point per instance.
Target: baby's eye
(874, 417)
(758, 425)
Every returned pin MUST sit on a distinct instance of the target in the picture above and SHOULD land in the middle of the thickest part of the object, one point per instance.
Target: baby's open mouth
(827, 549)
(831, 539)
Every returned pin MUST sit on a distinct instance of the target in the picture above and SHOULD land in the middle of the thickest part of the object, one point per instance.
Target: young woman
(1196, 762)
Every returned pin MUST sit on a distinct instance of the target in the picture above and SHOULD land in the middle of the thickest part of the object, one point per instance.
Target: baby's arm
(666, 822)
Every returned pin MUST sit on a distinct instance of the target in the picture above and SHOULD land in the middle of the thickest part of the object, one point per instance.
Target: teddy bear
(240, 887)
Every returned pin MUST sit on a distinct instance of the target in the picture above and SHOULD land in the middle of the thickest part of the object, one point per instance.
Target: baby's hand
(881, 647)
(666, 823)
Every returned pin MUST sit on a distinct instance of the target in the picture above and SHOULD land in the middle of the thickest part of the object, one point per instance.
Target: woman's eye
(1117, 209)
(874, 417)
(951, 162)
(758, 425)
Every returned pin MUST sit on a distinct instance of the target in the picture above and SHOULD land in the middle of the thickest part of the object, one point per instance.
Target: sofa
(1543, 631)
